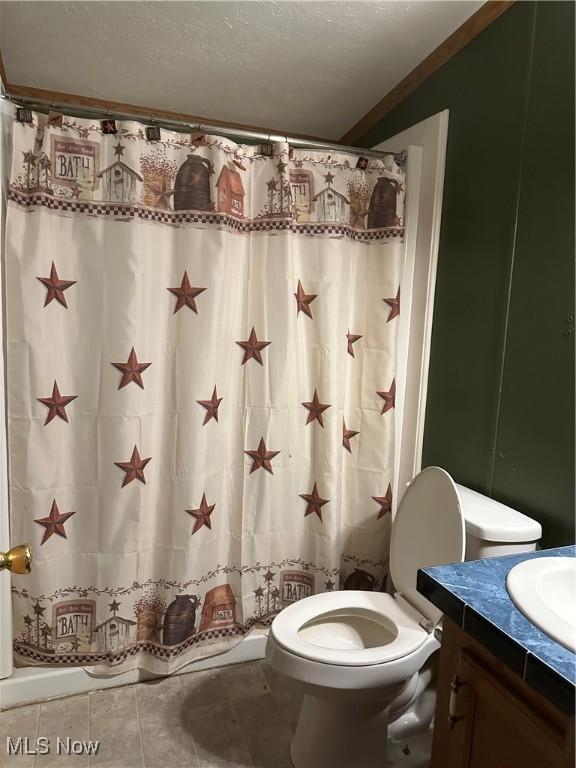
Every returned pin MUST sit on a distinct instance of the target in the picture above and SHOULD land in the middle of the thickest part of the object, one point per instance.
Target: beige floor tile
(113, 703)
(257, 711)
(160, 694)
(218, 737)
(167, 742)
(21, 722)
(202, 688)
(243, 680)
(270, 746)
(120, 743)
(63, 716)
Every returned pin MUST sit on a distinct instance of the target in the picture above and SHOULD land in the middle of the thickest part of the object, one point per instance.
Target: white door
(6, 663)
(426, 144)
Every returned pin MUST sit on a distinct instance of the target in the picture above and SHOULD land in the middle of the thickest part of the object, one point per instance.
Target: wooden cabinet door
(492, 727)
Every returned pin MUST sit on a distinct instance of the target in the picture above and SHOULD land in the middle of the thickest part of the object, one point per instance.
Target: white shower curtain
(201, 350)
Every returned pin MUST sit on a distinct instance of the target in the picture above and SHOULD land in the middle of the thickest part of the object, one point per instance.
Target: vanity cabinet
(488, 717)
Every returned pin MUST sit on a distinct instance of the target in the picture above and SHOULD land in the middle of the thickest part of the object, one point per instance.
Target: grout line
(139, 726)
(184, 720)
(36, 734)
(89, 725)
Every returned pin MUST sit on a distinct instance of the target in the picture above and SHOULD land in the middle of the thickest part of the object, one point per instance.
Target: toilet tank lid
(490, 520)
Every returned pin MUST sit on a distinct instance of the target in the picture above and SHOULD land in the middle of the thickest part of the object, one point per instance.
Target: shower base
(31, 684)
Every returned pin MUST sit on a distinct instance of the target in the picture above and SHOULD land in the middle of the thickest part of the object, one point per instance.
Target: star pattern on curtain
(131, 370)
(134, 468)
(186, 295)
(314, 502)
(315, 409)
(202, 515)
(211, 406)
(352, 339)
(389, 398)
(347, 435)
(55, 287)
(303, 300)
(385, 502)
(56, 404)
(262, 457)
(323, 236)
(54, 523)
(253, 348)
(394, 304)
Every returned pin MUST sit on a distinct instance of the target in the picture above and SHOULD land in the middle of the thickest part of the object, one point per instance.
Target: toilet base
(338, 733)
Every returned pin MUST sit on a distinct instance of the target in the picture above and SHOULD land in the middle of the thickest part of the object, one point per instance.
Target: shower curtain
(201, 350)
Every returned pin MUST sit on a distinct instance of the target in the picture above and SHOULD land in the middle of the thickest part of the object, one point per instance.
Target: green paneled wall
(500, 414)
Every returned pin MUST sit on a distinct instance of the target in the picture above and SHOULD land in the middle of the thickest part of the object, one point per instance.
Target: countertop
(474, 595)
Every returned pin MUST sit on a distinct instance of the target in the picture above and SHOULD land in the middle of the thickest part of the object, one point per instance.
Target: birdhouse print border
(164, 618)
(204, 181)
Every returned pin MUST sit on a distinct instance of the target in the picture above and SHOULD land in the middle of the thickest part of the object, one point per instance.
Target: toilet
(364, 659)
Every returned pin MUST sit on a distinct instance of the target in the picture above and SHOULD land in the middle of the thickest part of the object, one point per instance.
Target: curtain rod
(183, 126)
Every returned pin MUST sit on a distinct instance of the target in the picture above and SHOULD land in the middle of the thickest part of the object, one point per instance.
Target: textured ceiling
(301, 67)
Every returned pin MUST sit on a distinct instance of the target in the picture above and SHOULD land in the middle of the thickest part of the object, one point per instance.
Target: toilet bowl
(362, 657)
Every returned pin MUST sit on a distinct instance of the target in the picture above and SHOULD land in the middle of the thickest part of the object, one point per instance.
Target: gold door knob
(18, 559)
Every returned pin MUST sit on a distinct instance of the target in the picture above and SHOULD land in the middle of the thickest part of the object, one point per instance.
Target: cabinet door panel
(496, 728)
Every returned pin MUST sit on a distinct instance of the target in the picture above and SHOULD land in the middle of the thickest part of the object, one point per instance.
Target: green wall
(500, 414)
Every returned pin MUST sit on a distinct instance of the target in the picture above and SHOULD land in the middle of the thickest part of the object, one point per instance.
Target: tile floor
(232, 717)
(218, 718)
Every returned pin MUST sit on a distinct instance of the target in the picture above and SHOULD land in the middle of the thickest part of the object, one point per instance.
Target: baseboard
(33, 684)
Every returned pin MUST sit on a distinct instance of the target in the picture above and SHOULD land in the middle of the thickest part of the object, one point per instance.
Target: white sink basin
(544, 590)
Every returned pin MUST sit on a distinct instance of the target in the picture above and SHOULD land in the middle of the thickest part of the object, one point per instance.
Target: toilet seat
(390, 625)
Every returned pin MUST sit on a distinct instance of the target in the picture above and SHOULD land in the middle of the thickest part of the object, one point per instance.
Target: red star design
(56, 287)
(253, 348)
(389, 398)
(347, 434)
(303, 300)
(261, 458)
(316, 409)
(54, 523)
(186, 295)
(315, 502)
(134, 468)
(131, 370)
(385, 502)
(352, 339)
(56, 404)
(211, 407)
(202, 515)
(394, 305)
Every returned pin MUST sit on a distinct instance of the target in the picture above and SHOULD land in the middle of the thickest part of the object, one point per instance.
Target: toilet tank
(494, 529)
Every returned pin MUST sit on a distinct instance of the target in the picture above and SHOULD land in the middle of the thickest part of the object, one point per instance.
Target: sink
(544, 590)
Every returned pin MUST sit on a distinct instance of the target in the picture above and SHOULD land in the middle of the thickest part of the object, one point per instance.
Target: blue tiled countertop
(474, 595)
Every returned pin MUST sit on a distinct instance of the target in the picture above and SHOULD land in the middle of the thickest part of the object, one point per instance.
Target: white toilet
(364, 657)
